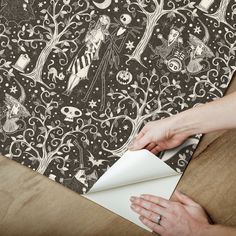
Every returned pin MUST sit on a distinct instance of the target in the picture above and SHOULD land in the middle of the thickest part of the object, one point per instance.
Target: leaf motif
(39, 145)
(223, 86)
(118, 110)
(48, 37)
(233, 68)
(134, 86)
(102, 115)
(191, 4)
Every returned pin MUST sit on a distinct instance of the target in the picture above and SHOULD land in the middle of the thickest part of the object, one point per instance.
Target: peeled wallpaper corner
(133, 167)
(80, 78)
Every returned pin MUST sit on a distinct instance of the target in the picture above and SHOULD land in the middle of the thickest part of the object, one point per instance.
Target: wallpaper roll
(80, 78)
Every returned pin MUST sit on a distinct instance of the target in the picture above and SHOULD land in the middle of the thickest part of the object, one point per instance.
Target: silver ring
(159, 219)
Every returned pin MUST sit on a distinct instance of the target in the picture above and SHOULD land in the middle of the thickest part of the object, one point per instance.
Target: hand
(184, 217)
(157, 136)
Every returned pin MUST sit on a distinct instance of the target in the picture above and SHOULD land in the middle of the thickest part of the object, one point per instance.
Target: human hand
(160, 135)
(184, 217)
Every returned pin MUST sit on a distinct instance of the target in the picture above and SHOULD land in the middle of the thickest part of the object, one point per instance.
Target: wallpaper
(79, 78)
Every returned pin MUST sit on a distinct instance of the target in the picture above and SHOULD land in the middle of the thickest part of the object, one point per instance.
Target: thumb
(140, 143)
(185, 199)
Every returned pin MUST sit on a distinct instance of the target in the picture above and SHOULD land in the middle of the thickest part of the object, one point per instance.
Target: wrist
(215, 230)
(205, 230)
(185, 124)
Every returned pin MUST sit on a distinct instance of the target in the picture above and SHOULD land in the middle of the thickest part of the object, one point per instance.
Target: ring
(159, 220)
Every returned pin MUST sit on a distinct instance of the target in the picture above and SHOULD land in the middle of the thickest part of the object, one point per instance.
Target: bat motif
(94, 161)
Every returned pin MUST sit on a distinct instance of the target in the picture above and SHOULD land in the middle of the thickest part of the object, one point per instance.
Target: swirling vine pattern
(78, 82)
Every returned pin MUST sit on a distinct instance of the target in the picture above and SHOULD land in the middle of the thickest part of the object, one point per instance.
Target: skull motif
(71, 113)
(174, 65)
(125, 19)
(124, 77)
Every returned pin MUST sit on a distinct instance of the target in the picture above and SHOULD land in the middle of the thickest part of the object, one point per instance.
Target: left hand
(184, 217)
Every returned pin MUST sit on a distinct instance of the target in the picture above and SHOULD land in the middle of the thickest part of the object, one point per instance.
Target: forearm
(217, 230)
(213, 116)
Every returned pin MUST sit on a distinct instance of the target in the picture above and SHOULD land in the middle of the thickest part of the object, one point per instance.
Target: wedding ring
(159, 220)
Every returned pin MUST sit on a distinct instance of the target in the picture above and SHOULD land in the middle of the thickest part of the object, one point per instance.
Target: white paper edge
(117, 199)
(133, 167)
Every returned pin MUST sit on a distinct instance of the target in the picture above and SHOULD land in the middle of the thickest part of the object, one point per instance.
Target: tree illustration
(4, 36)
(145, 102)
(60, 32)
(220, 14)
(5, 65)
(225, 62)
(47, 139)
(152, 18)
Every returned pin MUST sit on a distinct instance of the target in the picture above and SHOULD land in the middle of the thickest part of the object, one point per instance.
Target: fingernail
(141, 217)
(142, 196)
(132, 199)
(179, 192)
(131, 144)
(133, 207)
(131, 147)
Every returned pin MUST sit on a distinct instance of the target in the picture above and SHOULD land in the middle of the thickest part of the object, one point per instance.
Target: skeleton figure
(111, 57)
(164, 50)
(14, 111)
(125, 20)
(199, 51)
(81, 64)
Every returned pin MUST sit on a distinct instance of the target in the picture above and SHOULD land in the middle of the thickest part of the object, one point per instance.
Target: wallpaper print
(79, 78)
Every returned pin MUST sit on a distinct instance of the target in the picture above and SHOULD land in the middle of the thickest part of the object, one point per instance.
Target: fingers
(140, 134)
(146, 213)
(140, 143)
(185, 199)
(140, 140)
(139, 204)
(157, 200)
(151, 225)
(156, 149)
(150, 146)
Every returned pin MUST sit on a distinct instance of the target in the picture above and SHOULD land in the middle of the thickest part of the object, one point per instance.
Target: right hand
(157, 136)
